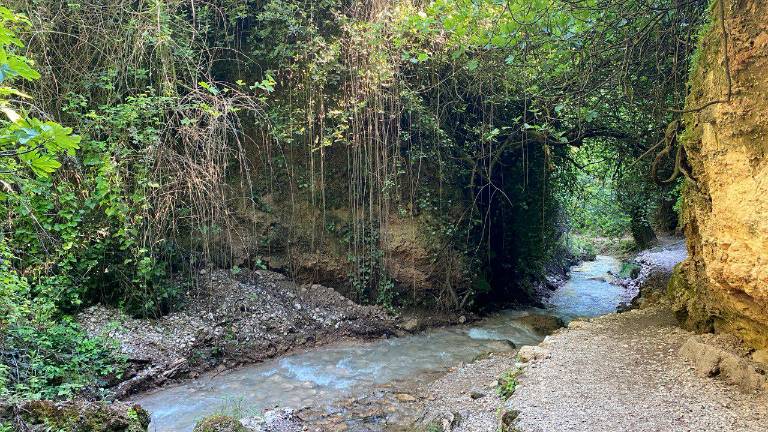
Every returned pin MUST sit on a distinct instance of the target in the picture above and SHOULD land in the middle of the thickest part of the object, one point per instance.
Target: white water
(319, 377)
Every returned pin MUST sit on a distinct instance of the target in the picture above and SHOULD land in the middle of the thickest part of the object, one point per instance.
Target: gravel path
(466, 400)
(622, 372)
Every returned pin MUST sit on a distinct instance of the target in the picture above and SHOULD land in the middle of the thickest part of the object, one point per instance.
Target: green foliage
(434, 426)
(25, 142)
(591, 201)
(582, 247)
(44, 354)
(491, 125)
(507, 383)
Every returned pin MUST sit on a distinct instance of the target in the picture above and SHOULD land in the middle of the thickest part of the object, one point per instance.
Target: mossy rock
(219, 423)
(543, 324)
(687, 302)
(508, 420)
(79, 417)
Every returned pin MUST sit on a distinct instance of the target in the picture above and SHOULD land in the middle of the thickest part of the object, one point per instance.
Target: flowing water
(319, 377)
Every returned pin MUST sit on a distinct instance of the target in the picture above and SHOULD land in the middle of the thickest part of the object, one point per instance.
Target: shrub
(508, 383)
(44, 354)
(219, 423)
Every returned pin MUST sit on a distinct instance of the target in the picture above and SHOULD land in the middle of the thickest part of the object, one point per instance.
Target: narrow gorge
(383, 215)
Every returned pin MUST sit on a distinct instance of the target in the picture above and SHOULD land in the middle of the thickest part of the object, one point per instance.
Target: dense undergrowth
(433, 153)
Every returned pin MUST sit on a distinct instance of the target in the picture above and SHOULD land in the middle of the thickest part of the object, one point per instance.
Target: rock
(508, 420)
(410, 325)
(543, 324)
(462, 319)
(529, 353)
(219, 423)
(726, 224)
(718, 356)
(40, 416)
(476, 395)
(405, 397)
(277, 420)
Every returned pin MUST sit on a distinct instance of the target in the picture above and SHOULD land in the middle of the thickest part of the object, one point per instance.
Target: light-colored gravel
(656, 266)
(466, 400)
(622, 372)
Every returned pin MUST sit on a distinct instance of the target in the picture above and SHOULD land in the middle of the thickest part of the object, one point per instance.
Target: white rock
(529, 353)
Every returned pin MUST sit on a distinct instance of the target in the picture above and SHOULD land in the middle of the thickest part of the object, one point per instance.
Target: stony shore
(634, 371)
(253, 316)
(627, 372)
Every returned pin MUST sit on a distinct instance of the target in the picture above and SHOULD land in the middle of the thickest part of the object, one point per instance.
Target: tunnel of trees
(445, 154)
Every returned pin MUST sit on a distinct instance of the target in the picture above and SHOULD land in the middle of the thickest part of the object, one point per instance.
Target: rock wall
(723, 286)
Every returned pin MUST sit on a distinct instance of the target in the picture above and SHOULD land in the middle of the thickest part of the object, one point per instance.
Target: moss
(83, 417)
(686, 302)
(629, 270)
(679, 292)
(508, 420)
(219, 423)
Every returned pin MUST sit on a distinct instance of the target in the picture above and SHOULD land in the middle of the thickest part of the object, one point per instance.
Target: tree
(26, 142)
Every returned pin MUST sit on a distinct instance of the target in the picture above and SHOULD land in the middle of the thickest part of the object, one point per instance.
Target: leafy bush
(43, 354)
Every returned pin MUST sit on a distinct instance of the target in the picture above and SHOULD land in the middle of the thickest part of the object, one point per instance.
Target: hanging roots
(670, 143)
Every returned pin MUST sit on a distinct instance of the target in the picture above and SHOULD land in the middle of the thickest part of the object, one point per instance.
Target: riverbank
(632, 371)
(625, 372)
(400, 382)
(250, 317)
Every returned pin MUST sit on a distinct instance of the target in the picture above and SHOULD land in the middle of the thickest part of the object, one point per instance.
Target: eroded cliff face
(723, 286)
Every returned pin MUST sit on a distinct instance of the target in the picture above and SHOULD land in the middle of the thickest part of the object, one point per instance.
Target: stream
(321, 376)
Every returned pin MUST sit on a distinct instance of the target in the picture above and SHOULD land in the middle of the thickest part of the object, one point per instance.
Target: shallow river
(324, 375)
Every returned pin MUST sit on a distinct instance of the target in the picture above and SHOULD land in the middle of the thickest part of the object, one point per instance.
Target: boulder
(219, 423)
(717, 356)
(543, 324)
(41, 415)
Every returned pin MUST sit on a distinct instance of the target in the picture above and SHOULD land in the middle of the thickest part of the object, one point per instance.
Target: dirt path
(622, 372)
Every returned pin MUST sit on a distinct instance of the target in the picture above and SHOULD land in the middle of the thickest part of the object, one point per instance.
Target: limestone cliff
(723, 286)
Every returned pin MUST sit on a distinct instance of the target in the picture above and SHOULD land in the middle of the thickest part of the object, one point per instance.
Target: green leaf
(210, 87)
